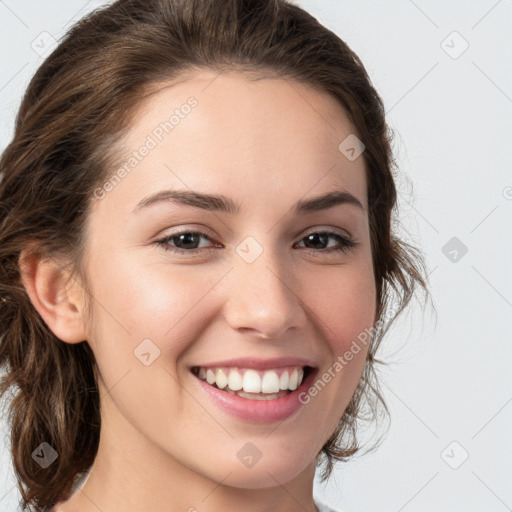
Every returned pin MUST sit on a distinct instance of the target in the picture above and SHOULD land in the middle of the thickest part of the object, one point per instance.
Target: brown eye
(185, 242)
(319, 241)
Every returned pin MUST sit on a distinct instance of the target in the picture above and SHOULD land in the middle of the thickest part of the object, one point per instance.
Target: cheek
(343, 302)
(141, 309)
(167, 304)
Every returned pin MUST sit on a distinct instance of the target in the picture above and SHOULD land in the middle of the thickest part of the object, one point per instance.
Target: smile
(256, 392)
(253, 384)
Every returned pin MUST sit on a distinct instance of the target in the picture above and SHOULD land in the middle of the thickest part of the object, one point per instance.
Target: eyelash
(346, 244)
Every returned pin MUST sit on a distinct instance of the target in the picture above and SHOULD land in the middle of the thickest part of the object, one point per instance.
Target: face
(186, 288)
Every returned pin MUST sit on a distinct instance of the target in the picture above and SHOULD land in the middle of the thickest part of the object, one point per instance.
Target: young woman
(197, 260)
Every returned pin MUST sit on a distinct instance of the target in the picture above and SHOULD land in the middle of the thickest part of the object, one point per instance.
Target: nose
(263, 298)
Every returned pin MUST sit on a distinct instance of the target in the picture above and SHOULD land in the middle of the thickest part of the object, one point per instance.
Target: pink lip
(257, 411)
(259, 364)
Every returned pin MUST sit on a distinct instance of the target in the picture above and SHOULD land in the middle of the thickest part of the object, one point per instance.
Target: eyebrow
(220, 203)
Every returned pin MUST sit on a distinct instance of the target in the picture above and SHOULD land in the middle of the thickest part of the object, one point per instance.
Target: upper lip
(259, 364)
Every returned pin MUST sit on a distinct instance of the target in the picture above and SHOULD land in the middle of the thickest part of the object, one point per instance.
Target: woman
(197, 260)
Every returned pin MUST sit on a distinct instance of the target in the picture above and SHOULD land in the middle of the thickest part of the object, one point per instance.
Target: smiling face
(186, 286)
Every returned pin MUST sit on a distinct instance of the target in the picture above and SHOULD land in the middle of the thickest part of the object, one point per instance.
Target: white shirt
(325, 508)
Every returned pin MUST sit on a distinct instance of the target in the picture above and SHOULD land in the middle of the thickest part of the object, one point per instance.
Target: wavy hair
(75, 109)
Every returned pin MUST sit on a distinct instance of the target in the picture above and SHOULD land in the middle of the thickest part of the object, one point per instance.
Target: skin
(164, 446)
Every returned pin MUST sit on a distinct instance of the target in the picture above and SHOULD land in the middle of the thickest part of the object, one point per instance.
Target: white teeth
(268, 382)
(293, 380)
(283, 381)
(221, 378)
(235, 381)
(252, 382)
(210, 377)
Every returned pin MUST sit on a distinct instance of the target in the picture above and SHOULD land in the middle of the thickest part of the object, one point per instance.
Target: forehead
(243, 134)
(232, 99)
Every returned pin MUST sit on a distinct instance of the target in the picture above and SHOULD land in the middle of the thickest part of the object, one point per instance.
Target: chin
(263, 474)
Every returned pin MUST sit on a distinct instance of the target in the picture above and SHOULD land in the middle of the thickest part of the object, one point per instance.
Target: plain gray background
(443, 70)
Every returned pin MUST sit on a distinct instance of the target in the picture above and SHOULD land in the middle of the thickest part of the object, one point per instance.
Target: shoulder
(325, 508)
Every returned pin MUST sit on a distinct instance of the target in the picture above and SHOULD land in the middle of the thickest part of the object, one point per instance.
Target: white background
(449, 373)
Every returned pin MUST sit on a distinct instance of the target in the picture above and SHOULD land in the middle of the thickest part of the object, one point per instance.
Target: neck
(131, 473)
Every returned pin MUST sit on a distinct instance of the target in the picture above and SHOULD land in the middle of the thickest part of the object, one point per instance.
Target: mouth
(254, 384)
(256, 390)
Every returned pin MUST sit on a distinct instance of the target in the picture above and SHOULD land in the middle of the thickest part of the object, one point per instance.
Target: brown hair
(75, 109)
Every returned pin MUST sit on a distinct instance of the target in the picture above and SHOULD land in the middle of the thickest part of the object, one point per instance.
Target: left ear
(58, 301)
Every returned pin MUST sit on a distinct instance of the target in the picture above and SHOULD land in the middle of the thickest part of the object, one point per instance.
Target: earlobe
(47, 285)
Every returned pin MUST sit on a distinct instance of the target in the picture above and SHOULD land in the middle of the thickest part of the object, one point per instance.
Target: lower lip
(257, 411)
